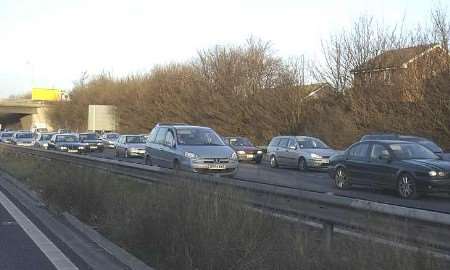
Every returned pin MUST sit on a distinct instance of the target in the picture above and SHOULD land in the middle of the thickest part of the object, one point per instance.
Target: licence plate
(249, 156)
(93, 147)
(216, 167)
(72, 151)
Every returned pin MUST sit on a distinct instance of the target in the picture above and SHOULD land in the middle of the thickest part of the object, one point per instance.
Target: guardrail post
(328, 234)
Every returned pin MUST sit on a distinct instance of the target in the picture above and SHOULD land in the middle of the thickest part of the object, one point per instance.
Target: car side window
(358, 152)
(377, 151)
(274, 142)
(169, 139)
(292, 143)
(152, 135)
(283, 142)
(161, 136)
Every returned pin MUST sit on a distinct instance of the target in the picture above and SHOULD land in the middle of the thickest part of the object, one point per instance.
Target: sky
(50, 43)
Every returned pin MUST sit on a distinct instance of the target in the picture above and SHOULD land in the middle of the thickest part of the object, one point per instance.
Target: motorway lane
(318, 181)
(22, 244)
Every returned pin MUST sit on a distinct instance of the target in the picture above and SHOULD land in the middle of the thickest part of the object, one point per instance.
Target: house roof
(397, 58)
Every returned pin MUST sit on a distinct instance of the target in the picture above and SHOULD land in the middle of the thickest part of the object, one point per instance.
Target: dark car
(6, 136)
(66, 143)
(407, 167)
(244, 148)
(393, 136)
(130, 146)
(93, 141)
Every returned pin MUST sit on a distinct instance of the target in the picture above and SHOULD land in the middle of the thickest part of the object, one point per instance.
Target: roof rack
(171, 124)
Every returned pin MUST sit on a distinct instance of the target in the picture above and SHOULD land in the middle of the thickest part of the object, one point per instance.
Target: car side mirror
(385, 157)
(293, 147)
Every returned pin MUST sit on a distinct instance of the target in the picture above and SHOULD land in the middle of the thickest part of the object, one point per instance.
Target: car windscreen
(198, 136)
(312, 144)
(24, 135)
(240, 142)
(135, 139)
(431, 145)
(404, 151)
(67, 138)
(7, 135)
(46, 137)
(112, 136)
(90, 136)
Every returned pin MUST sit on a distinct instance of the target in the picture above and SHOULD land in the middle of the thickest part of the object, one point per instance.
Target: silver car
(110, 139)
(300, 152)
(22, 138)
(192, 148)
(130, 146)
(41, 140)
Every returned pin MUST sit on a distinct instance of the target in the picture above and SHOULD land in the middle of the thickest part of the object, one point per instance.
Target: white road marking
(56, 257)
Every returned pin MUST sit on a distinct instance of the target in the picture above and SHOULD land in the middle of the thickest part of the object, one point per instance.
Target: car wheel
(176, 166)
(148, 160)
(302, 166)
(273, 162)
(406, 187)
(341, 179)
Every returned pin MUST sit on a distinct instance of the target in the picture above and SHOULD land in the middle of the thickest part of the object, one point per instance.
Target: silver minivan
(300, 152)
(192, 148)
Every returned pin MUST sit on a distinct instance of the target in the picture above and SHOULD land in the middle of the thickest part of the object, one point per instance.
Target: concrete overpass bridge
(23, 113)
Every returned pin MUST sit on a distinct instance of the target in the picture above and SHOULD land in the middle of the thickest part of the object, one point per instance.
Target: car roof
(386, 141)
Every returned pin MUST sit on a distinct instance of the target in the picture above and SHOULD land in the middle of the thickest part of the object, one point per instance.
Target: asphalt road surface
(23, 245)
(318, 181)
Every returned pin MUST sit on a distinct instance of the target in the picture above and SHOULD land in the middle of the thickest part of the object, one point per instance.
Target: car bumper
(249, 157)
(318, 163)
(434, 186)
(25, 144)
(94, 148)
(222, 169)
(136, 153)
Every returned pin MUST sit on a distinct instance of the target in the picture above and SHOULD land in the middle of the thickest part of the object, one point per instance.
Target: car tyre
(148, 160)
(273, 162)
(176, 166)
(258, 160)
(341, 179)
(302, 166)
(406, 187)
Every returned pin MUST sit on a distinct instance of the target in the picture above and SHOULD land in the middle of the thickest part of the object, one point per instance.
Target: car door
(292, 153)
(381, 171)
(356, 163)
(168, 155)
(282, 152)
(157, 148)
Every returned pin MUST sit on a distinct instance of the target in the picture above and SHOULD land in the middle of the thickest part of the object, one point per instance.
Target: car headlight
(259, 152)
(241, 152)
(133, 149)
(80, 147)
(100, 144)
(190, 155)
(45, 144)
(315, 156)
(234, 156)
(435, 173)
(63, 148)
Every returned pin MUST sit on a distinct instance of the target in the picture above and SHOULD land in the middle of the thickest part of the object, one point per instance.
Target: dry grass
(185, 227)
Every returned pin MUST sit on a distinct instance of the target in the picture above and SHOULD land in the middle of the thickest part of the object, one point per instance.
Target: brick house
(404, 69)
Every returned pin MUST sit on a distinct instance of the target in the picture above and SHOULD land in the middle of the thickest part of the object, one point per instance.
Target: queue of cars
(410, 165)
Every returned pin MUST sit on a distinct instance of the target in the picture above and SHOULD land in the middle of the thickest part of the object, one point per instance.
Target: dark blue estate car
(407, 167)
